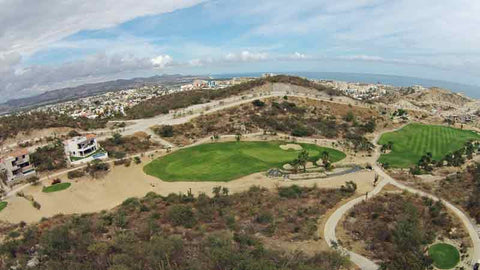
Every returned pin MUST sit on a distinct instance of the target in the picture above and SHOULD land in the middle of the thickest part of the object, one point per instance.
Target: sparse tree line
(273, 116)
(455, 159)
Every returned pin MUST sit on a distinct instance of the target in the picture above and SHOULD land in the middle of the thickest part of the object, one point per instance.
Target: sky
(51, 44)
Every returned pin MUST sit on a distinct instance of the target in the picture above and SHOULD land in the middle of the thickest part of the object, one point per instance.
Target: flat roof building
(17, 166)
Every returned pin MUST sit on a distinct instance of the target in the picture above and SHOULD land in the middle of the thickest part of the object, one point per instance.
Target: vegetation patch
(397, 228)
(163, 104)
(183, 232)
(410, 143)
(49, 157)
(298, 117)
(119, 146)
(56, 187)
(444, 256)
(3, 205)
(229, 160)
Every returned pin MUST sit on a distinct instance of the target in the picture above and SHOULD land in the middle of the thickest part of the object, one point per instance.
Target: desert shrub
(137, 160)
(165, 131)
(75, 174)
(264, 217)
(118, 154)
(123, 161)
(181, 215)
(36, 204)
(258, 103)
(290, 192)
(73, 133)
(34, 180)
(96, 167)
(349, 187)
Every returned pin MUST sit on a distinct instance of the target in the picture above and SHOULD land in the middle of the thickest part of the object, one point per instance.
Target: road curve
(367, 264)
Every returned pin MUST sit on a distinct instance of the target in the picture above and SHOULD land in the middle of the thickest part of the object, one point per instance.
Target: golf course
(229, 160)
(415, 140)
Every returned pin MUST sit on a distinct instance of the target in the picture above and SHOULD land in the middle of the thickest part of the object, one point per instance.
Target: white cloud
(27, 26)
(246, 56)
(162, 61)
(35, 79)
(298, 55)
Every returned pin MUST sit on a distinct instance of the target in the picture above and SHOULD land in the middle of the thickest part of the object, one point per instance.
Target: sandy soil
(291, 146)
(92, 195)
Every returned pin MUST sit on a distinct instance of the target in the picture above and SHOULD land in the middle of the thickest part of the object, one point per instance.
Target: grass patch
(444, 256)
(3, 205)
(56, 187)
(415, 140)
(229, 160)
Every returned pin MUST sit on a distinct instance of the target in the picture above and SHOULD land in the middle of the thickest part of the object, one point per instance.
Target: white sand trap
(291, 146)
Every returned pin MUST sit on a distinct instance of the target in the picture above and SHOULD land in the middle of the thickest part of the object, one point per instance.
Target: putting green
(229, 160)
(415, 140)
(444, 256)
(3, 205)
(56, 187)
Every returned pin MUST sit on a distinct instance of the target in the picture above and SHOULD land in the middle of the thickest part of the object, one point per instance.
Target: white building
(17, 166)
(83, 149)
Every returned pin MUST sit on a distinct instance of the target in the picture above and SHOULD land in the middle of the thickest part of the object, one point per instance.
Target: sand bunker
(291, 146)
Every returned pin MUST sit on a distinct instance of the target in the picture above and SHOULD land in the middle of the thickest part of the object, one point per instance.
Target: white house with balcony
(16, 166)
(84, 149)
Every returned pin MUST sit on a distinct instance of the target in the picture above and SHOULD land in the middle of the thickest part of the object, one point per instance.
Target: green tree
(303, 159)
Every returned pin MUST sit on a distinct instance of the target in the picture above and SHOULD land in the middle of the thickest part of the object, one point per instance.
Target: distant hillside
(87, 90)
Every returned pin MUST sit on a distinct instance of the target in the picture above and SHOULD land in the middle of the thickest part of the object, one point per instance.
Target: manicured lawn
(444, 256)
(227, 161)
(56, 187)
(3, 205)
(415, 140)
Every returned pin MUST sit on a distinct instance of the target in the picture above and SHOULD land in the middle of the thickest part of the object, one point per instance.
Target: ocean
(469, 90)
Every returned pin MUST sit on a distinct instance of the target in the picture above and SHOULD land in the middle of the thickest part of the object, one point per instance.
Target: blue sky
(86, 41)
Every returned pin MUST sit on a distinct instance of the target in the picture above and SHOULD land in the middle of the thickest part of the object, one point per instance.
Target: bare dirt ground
(88, 195)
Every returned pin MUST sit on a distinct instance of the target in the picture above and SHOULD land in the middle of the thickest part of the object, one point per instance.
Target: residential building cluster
(359, 91)
(16, 166)
(116, 103)
(105, 105)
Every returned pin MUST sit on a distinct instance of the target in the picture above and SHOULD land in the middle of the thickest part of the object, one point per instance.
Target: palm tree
(325, 158)
(295, 164)
(303, 159)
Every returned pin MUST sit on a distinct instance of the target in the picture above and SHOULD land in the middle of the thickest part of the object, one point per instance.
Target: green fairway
(56, 187)
(444, 256)
(415, 140)
(229, 160)
(3, 205)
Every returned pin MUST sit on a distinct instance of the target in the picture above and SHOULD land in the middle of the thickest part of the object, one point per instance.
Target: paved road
(365, 263)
